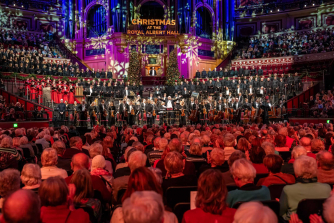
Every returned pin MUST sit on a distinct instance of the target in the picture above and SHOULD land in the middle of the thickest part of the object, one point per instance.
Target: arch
(92, 4)
(96, 24)
(142, 2)
(212, 12)
(204, 21)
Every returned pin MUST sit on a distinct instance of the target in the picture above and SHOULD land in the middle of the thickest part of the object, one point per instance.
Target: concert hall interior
(172, 81)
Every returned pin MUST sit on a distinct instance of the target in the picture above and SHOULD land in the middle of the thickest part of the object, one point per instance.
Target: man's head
(137, 159)
(76, 141)
(325, 160)
(306, 143)
(21, 206)
(80, 161)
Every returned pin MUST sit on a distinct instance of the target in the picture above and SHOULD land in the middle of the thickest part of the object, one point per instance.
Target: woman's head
(243, 170)
(243, 144)
(49, 157)
(83, 184)
(257, 154)
(174, 162)
(211, 192)
(31, 174)
(305, 167)
(195, 149)
(280, 140)
(53, 191)
(273, 163)
(142, 179)
(217, 157)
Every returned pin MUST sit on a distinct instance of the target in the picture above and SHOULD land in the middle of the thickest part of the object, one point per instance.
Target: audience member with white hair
(296, 152)
(143, 207)
(244, 174)
(137, 159)
(97, 149)
(229, 143)
(31, 177)
(254, 212)
(9, 182)
(158, 150)
(49, 168)
(41, 140)
(307, 187)
(98, 168)
(216, 161)
(228, 178)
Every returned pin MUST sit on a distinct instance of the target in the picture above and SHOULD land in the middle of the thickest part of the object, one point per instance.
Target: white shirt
(169, 104)
(238, 90)
(250, 90)
(126, 92)
(261, 91)
(227, 92)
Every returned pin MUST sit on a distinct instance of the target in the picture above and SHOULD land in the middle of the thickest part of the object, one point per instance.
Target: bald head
(325, 160)
(21, 206)
(306, 142)
(80, 161)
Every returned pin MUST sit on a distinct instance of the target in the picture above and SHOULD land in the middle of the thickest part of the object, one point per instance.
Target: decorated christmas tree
(173, 73)
(134, 68)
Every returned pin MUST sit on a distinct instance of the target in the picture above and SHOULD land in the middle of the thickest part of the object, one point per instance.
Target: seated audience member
(76, 147)
(228, 178)
(56, 201)
(280, 142)
(24, 143)
(244, 173)
(122, 169)
(143, 207)
(9, 182)
(49, 160)
(175, 145)
(195, 155)
(290, 142)
(137, 159)
(295, 153)
(9, 157)
(84, 194)
(254, 212)
(229, 143)
(158, 150)
(62, 163)
(325, 167)
(274, 164)
(205, 141)
(256, 156)
(317, 145)
(217, 161)
(175, 177)
(97, 149)
(41, 140)
(269, 148)
(81, 161)
(243, 145)
(306, 187)
(98, 168)
(31, 177)
(27, 210)
(306, 143)
(141, 179)
(210, 200)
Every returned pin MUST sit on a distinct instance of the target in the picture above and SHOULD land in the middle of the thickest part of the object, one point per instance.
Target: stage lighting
(15, 125)
(271, 10)
(14, 4)
(278, 10)
(328, 121)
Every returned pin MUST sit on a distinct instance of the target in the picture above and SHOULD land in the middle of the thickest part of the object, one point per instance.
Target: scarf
(99, 172)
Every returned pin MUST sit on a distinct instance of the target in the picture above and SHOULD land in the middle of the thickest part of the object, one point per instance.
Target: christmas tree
(134, 68)
(173, 73)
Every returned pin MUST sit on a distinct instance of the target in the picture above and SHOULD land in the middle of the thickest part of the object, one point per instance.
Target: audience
(254, 212)
(253, 164)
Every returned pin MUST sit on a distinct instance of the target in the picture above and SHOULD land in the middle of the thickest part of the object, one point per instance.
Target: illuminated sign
(153, 27)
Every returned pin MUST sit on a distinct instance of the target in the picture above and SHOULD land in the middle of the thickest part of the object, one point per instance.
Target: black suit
(153, 73)
(62, 109)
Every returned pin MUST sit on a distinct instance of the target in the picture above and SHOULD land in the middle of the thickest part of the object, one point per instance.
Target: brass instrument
(132, 93)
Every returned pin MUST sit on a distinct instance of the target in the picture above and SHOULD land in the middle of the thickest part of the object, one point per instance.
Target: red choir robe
(33, 92)
(40, 93)
(60, 95)
(71, 96)
(54, 96)
(65, 95)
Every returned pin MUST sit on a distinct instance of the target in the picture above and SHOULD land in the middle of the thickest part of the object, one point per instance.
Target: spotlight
(313, 4)
(278, 10)
(271, 10)
(304, 5)
(14, 4)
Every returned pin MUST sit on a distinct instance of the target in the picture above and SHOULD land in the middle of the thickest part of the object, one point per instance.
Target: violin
(112, 113)
(154, 114)
(182, 112)
(132, 111)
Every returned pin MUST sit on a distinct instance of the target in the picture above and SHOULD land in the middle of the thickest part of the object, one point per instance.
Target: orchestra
(208, 100)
